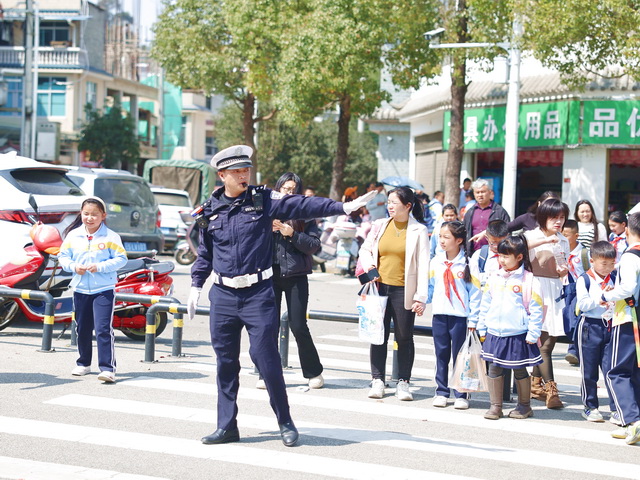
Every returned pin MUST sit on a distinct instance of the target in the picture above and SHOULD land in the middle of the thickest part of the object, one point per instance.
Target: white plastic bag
(469, 373)
(371, 306)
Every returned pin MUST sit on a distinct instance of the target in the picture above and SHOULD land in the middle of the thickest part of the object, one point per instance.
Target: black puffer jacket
(293, 254)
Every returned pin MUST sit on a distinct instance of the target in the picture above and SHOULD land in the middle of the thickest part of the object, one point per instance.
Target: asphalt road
(148, 425)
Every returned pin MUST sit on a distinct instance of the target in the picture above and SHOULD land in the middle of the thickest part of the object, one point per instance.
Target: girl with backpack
(511, 318)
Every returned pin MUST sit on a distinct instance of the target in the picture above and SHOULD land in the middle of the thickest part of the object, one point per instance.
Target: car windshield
(123, 192)
(172, 199)
(44, 182)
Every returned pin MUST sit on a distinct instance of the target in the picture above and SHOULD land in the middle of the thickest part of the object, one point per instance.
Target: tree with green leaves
(110, 137)
(584, 38)
(227, 48)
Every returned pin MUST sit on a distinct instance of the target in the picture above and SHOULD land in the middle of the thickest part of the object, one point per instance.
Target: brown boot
(553, 400)
(523, 409)
(537, 391)
(495, 396)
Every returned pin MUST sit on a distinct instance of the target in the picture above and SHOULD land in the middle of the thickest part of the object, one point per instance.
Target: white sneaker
(440, 401)
(107, 377)
(461, 404)
(316, 382)
(402, 391)
(592, 415)
(377, 388)
(633, 433)
(620, 432)
(80, 371)
(260, 385)
(615, 419)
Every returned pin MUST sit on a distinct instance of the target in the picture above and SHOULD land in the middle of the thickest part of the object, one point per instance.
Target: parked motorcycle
(187, 246)
(144, 276)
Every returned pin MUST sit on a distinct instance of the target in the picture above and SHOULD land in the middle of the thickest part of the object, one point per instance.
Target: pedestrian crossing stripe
(376, 408)
(21, 469)
(229, 453)
(384, 439)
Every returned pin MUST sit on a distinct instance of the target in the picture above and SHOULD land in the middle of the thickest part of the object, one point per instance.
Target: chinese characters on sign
(540, 124)
(611, 122)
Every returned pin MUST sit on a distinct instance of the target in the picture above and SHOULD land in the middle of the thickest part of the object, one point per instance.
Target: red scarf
(602, 284)
(450, 282)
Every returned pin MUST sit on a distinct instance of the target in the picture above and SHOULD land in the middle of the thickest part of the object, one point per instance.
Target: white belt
(242, 281)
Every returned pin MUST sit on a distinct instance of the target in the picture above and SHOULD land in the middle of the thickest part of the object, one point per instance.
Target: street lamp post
(511, 118)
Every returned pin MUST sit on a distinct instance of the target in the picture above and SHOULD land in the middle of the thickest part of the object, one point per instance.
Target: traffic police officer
(235, 248)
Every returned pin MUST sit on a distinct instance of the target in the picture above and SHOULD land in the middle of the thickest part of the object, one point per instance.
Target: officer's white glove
(361, 201)
(192, 303)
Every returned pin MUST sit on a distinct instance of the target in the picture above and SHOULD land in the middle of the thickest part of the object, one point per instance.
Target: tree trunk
(458, 94)
(249, 130)
(342, 152)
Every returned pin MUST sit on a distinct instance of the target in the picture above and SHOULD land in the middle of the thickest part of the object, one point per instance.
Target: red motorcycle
(143, 276)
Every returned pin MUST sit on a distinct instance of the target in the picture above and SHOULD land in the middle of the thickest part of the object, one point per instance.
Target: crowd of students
(522, 290)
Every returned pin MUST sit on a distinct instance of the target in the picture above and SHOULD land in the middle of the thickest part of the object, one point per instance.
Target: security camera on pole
(513, 106)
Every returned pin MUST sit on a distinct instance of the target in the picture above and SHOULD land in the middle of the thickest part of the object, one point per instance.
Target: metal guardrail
(49, 310)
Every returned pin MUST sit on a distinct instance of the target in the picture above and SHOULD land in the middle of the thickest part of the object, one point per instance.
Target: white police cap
(238, 156)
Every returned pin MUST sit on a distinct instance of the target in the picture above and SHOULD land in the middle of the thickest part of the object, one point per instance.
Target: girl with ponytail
(455, 309)
(395, 254)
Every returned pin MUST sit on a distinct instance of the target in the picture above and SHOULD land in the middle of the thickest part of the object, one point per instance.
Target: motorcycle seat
(144, 264)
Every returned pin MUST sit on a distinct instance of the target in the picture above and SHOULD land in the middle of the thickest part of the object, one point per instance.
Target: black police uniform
(236, 248)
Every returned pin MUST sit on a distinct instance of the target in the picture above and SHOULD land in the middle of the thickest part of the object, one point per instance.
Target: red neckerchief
(572, 267)
(602, 284)
(616, 240)
(449, 282)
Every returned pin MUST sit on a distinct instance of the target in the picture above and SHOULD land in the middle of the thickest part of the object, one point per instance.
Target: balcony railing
(48, 57)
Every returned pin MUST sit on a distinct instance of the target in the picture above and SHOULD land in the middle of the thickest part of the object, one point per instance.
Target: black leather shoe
(223, 436)
(289, 434)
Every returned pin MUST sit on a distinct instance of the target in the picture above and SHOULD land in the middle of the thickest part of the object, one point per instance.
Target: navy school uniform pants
(95, 312)
(449, 333)
(232, 310)
(593, 339)
(623, 378)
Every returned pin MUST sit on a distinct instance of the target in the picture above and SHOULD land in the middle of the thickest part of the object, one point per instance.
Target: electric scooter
(144, 276)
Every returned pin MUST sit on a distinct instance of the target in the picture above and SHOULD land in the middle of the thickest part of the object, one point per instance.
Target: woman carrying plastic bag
(395, 255)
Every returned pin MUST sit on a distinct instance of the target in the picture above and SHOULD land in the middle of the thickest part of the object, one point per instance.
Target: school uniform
(94, 293)
(593, 337)
(483, 272)
(458, 304)
(576, 261)
(623, 377)
(510, 316)
(620, 243)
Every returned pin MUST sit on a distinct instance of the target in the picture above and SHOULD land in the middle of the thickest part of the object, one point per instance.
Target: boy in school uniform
(624, 374)
(484, 261)
(593, 331)
(578, 264)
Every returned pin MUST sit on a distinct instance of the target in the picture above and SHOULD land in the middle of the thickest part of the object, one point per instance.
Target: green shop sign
(611, 122)
(540, 124)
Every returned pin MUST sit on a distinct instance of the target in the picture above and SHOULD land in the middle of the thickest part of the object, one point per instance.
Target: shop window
(13, 107)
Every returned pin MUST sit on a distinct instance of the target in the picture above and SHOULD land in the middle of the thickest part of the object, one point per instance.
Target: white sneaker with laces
(107, 377)
(633, 433)
(615, 419)
(440, 401)
(260, 385)
(80, 371)
(461, 404)
(402, 391)
(316, 382)
(592, 415)
(377, 388)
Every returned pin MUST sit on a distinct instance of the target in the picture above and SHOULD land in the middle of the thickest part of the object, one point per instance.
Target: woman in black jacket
(294, 242)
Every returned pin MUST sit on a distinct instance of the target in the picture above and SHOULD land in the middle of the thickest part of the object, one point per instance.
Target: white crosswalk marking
(232, 453)
(21, 469)
(387, 439)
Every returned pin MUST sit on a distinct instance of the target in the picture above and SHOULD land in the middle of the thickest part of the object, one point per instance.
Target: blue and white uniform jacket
(466, 302)
(588, 302)
(104, 248)
(503, 312)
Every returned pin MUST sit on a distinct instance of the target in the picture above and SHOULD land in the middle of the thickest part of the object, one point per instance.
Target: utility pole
(28, 115)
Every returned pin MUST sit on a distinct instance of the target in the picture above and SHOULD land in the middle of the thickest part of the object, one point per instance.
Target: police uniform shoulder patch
(276, 195)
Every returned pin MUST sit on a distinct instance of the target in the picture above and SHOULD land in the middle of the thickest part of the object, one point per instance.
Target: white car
(174, 206)
(57, 197)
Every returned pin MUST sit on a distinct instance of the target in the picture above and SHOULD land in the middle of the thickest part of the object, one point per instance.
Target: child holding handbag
(511, 318)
